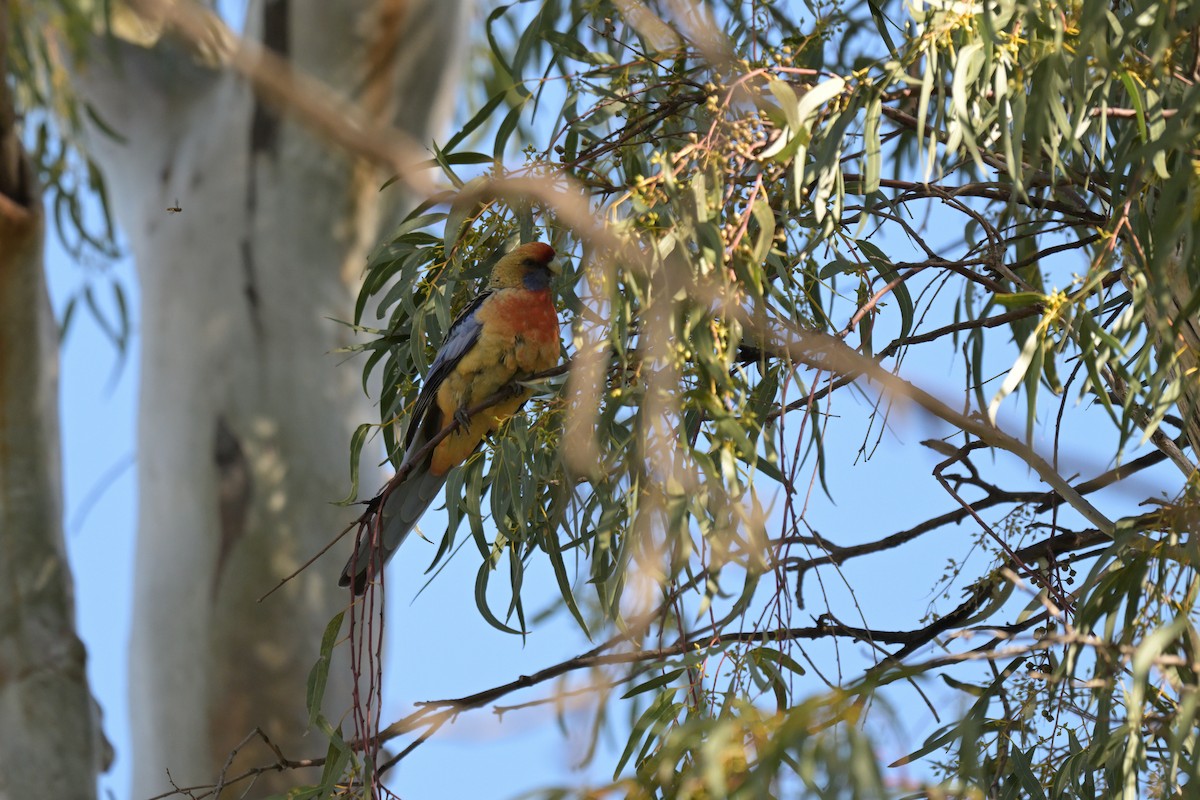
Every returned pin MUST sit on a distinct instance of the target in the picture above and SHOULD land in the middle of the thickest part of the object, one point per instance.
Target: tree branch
(823, 352)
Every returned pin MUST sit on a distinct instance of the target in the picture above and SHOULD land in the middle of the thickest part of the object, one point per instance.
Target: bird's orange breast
(527, 318)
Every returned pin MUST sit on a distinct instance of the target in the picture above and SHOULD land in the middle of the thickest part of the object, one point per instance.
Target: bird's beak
(554, 267)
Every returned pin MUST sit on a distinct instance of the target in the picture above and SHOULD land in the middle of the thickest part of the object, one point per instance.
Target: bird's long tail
(404, 506)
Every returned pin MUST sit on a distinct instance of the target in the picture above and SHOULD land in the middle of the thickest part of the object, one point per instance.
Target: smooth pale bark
(50, 739)
(246, 410)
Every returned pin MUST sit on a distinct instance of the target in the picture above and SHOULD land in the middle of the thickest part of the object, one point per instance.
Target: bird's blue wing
(409, 499)
(464, 333)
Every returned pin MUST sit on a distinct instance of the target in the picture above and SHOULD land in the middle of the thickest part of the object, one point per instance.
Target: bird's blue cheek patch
(536, 279)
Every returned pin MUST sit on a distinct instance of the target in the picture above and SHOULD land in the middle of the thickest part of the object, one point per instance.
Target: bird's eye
(527, 262)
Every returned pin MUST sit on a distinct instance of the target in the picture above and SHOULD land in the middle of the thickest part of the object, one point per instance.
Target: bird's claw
(464, 421)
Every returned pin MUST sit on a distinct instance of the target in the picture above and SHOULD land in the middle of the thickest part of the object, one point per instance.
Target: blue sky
(484, 755)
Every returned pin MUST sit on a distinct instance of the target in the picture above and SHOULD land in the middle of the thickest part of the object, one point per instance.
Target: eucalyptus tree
(777, 220)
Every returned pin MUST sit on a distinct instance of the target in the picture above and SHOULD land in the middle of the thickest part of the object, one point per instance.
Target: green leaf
(463, 207)
(765, 218)
(781, 658)
(553, 549)
(505, 131)
(651, 720)
(482, 115)
(68, 314)
(657, 682)
(939, 739)
(1135, 97)
(887, 271)
(788, 103)
(816, 97)
(318, 676)
(567, 44)
(1033, 345)
(1016, 300)
(481, 602)
(873, 153)
(1022, 768)
(338, 757)
(881, 23)
(357, 439)
(969, 688)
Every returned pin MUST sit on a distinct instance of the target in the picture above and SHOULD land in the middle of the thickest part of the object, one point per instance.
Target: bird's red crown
(539, 251)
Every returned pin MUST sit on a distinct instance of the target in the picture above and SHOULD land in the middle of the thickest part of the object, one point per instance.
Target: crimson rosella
(510, 329)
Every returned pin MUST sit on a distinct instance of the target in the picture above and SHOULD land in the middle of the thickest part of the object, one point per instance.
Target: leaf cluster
(43, 41)
(764, 211)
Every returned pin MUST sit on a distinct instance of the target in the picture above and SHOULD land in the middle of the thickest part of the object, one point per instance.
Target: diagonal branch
(824, 352)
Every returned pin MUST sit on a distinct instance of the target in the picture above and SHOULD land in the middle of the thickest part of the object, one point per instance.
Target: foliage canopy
(40, 40)
(775, 218)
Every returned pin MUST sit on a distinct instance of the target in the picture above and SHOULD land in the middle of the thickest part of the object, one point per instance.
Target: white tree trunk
(50, 739)
(246, 410)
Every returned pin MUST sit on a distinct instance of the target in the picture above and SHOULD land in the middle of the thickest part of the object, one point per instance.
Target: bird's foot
(463, 420)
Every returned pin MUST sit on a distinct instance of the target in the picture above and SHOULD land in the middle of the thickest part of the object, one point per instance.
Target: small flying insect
(175, 209)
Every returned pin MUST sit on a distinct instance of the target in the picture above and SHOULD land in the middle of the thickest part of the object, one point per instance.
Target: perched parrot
(510, 329)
